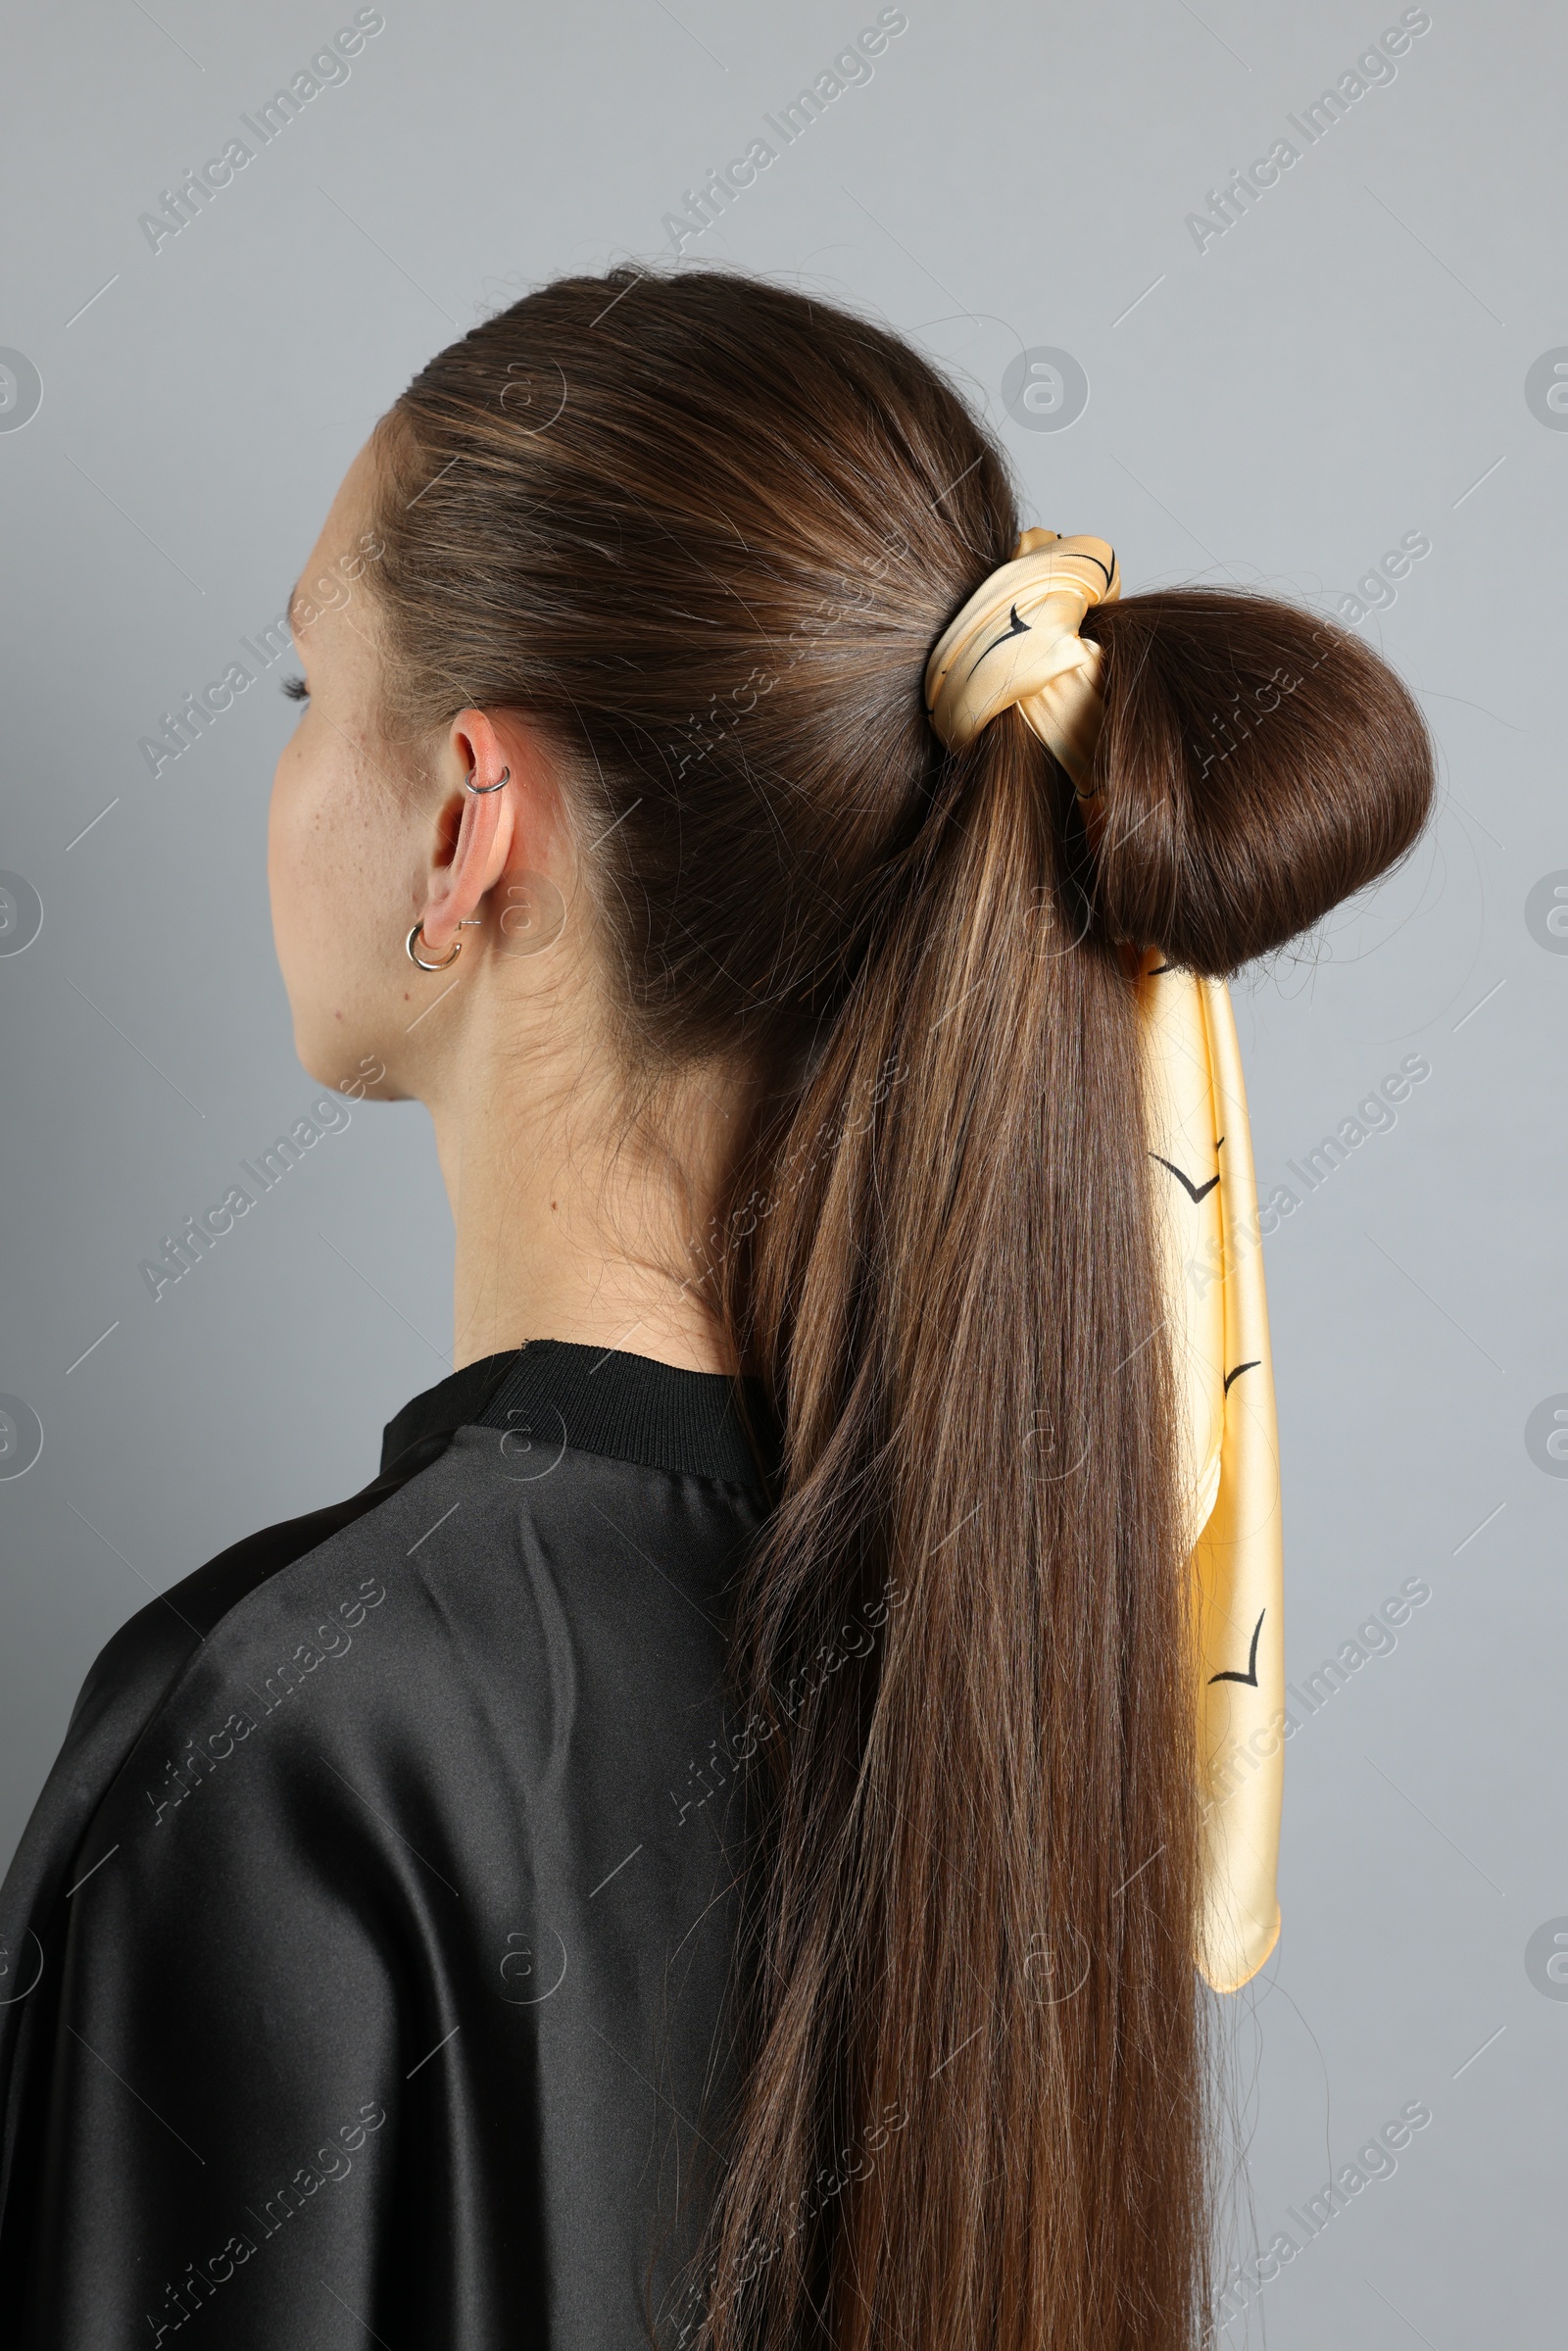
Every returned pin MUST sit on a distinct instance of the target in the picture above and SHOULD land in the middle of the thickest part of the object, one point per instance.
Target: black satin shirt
(365, 1957)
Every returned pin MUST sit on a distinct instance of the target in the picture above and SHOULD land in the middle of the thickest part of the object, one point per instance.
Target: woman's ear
(491, 791)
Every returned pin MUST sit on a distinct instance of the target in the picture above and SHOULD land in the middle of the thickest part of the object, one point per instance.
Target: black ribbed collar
(601, 1400)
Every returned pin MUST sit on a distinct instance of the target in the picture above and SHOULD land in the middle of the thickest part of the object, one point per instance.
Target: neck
(568, 1225)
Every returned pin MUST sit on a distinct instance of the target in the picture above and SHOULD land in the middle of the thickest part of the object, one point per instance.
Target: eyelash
(296, 689)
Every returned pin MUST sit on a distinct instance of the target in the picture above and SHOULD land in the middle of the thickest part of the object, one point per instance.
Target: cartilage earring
(505, 777)
(415, 957)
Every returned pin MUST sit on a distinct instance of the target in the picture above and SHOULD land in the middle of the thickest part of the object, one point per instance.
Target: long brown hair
(705, 532)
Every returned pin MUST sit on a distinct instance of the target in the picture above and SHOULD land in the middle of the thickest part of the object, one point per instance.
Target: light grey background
(1343, 366)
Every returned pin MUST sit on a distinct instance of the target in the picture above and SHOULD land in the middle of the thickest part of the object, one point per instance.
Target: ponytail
(980, 1891)
(977, 1895)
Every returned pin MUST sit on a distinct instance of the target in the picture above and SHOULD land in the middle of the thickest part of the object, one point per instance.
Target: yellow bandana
(1016, 644)
(1016, 641)
(1217, 1327)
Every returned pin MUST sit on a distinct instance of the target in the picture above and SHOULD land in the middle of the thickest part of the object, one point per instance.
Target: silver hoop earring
(505, 777)
(415, 957)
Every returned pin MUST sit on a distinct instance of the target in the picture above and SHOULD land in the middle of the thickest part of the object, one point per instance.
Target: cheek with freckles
(339, 897)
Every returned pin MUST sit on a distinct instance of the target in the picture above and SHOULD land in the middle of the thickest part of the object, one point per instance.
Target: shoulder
(142, 1665)
(468, 1594)
(139, 1672)
(470, 1585)
(374, 1761)
(385, 1704)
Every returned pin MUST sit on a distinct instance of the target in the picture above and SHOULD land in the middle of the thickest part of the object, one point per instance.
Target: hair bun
(1256, 764)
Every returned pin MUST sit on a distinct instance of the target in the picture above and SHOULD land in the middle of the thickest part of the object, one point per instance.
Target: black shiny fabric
(366, 1953)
